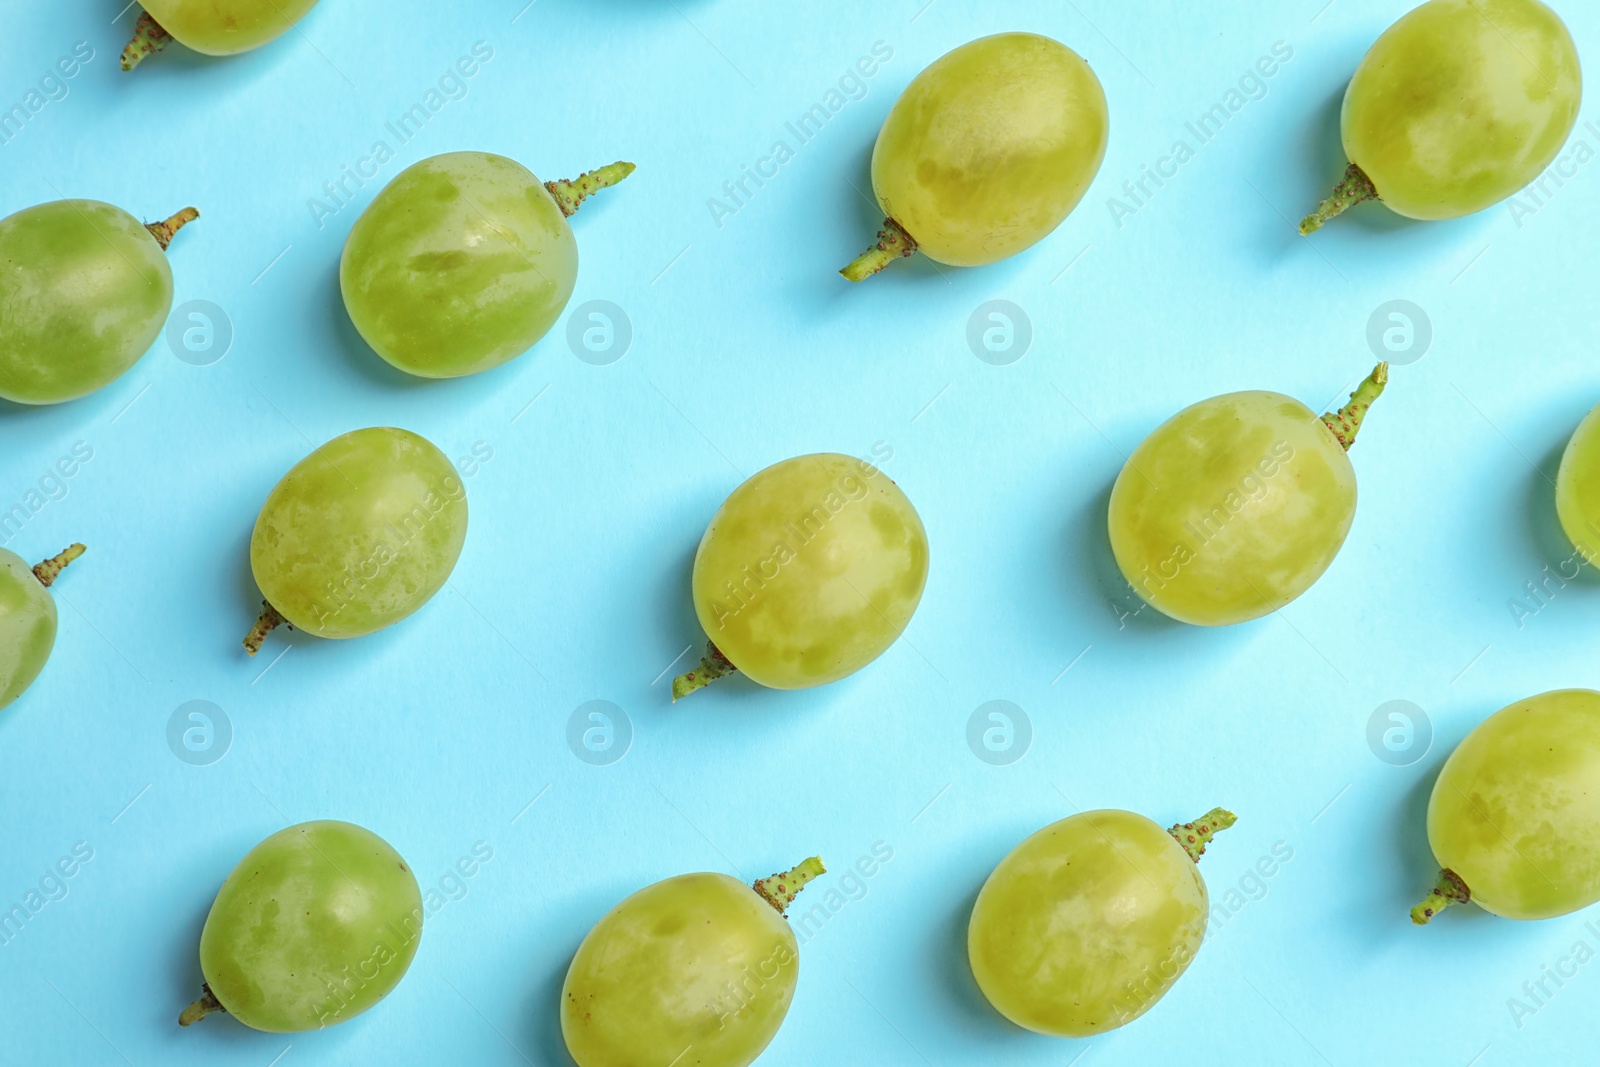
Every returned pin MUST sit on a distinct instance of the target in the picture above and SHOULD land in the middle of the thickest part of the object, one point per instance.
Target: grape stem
(570, 195)
(1356, 188)
(268, 621)
(208, 1004)
(48, 571)
(1195, 836)
(163, 231)
(781, 889)
(1450, 889)
(149, 37)
(713, 665)
(1345, 423)
(893, 243)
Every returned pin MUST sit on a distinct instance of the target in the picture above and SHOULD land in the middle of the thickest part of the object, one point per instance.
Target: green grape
(86, 289)
(27, 619)
(986, 152)
(464, 261)
(1514, 819)
(313, 927)
(1458, 106)
(1237, 505)
(1578, 489)
(1089, 922)
(807, 573)
(692, 970)
(212, 27)
(360, 534)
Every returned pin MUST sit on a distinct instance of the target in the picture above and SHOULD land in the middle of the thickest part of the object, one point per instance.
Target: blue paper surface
(591, 479)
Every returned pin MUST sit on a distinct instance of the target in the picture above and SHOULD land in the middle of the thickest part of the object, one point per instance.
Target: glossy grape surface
(991, 147)
(1462, 103)
(460, 264)
(1086, 924)
(225, 27)
(1578, 488)
(696, 966)
(313, 927)
(27, 626)
(1516, 810)
(361, 533)
(85, 290)
(1232, 508)
(810, 570)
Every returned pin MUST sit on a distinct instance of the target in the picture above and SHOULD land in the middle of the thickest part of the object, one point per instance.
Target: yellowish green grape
(360, 534)
(1514, 818)
(1089, 922)
(1578, 488)
(316, 925)
(986, 152)
(85, 289)
(1458, 106)
(464, 261)
(213, 27)
(697, 969)
(807, 573)
(1237, 505)
(27, 619)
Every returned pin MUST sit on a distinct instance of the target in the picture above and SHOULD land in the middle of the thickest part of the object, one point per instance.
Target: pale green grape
(698, 969)
(1458, 106)
(214, 27)
(808, 572)
(986, 152)
(313, 927)
(27, 619)
(463, 262)
(360, 534)
(1578, 489)
(1514, 818)
(86, 289)
(1089, 922)
(1237, 505)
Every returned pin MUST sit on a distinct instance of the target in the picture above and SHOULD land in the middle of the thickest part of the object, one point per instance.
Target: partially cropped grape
(27, 619)
(1514, 819)
(464, 261)
(698, 969)
(213, 27)
(360, 534)
(85, 290)
(1089, 922)
(1458, 106)
(313, 927)
(986, 152)
(1578, 489)
(807, 573)
(1237, 505)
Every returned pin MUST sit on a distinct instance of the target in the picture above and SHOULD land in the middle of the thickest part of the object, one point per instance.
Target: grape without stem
(1578, 488)
(1458, 106)
(86, 289)
(212, 27)
(464, 262)
(27, 619)
(986, 152)
(696, 967)
(1514, 819)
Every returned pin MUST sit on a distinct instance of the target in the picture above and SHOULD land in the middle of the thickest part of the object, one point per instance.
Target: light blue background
(748, 349)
